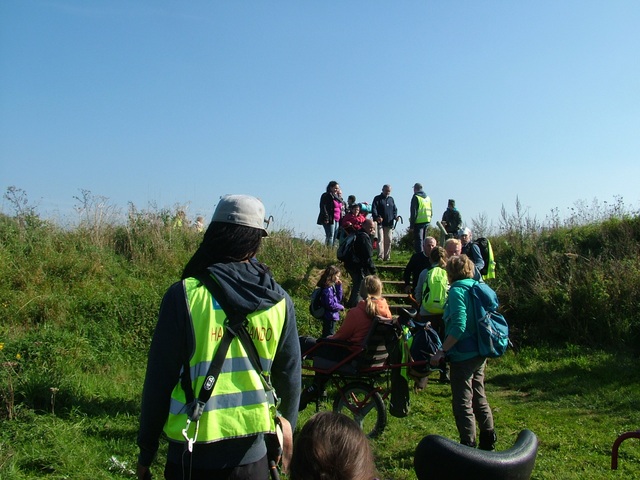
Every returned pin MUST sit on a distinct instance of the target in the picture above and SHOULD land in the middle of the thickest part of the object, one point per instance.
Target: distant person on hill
(451, 219)
(420, 218)
(331, 446)
(460, 346)
(361, 264)
(198, 225)
(384, 213)
(417, 263)
(353, 219)
(472, 251)
(229, 434)
(330, 212)
(331, 298)
(453, 247)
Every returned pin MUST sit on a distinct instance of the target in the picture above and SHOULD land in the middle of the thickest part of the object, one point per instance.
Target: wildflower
(1, 346)
(18, 356)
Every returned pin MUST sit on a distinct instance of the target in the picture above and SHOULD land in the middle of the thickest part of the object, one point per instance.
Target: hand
(435, 359)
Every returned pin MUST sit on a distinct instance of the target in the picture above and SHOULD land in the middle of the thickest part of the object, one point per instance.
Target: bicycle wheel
(365, 405)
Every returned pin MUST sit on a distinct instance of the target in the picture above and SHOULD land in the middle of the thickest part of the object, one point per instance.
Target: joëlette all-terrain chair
(362, 378)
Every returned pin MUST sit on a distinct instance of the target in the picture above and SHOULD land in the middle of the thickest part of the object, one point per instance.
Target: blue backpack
(493, 330)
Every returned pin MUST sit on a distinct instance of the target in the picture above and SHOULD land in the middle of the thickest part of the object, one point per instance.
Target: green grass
(78, 307)
(576, 400)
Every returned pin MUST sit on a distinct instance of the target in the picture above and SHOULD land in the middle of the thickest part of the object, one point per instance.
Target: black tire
(364, 404)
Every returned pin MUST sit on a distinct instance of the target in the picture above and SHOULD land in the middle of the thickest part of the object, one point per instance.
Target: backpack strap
(237, 322)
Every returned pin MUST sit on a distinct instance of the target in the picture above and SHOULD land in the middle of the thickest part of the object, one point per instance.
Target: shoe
(444, 377)
(488, 440)
(468, 444)
(308, 395)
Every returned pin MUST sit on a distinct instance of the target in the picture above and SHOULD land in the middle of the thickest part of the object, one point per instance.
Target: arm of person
(166, 356)
(286, 371)
(330, 299)
(478, 261)
(345, 332)
(456, 322)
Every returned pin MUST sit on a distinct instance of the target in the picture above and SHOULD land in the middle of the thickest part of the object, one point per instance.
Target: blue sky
(176, 103)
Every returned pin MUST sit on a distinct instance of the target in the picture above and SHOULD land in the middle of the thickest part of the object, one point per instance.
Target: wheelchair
(362, 378)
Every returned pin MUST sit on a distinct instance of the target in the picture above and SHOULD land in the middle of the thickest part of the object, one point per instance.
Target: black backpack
(484, 245)
(346, 252)
(316, 309)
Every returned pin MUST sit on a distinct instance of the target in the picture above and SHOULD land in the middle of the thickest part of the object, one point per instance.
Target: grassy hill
(78, 307)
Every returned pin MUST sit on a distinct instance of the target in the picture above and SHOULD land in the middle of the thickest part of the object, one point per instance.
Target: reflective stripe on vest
(423, 214)
(239, 405)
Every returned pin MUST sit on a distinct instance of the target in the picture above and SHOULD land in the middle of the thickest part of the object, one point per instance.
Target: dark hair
(438, 256)
(328, 276)
(331, 184)
(331, 446)
(223, 243)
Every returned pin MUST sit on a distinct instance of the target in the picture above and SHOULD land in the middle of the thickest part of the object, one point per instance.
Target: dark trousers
(357, 277)
(419, 232)
(252, 471)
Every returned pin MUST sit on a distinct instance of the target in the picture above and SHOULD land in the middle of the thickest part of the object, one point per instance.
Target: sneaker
(308, 395)
(488, 440)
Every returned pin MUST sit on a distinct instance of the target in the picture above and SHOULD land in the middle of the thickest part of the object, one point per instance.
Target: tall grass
(78, 307)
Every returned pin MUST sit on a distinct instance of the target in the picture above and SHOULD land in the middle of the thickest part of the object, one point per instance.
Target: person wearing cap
(471, 250)
(237, 420)
(451, 219)
(384, 213)
(420, 216)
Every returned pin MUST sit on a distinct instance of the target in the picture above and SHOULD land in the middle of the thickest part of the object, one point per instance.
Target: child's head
(332, 446)
(329, 276)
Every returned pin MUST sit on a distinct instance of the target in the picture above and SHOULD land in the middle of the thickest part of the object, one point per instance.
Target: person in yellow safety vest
(229, 440)
(421, 210)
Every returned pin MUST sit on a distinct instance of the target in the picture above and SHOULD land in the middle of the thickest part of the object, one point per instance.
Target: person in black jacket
(417, 263)
(452, 219)
(330, 212)
(361, 263)
(384, 213)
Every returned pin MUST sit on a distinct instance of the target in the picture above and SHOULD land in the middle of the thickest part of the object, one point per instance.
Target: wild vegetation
(78, 307)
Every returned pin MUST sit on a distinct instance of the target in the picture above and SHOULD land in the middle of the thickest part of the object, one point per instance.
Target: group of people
(225, 357)
(460, 260)
(340, 219)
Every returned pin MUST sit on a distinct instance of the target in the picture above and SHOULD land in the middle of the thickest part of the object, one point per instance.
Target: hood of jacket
(248, 286)
(421, 194)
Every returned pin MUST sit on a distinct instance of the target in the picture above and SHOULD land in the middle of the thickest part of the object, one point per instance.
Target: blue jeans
(330, 233)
